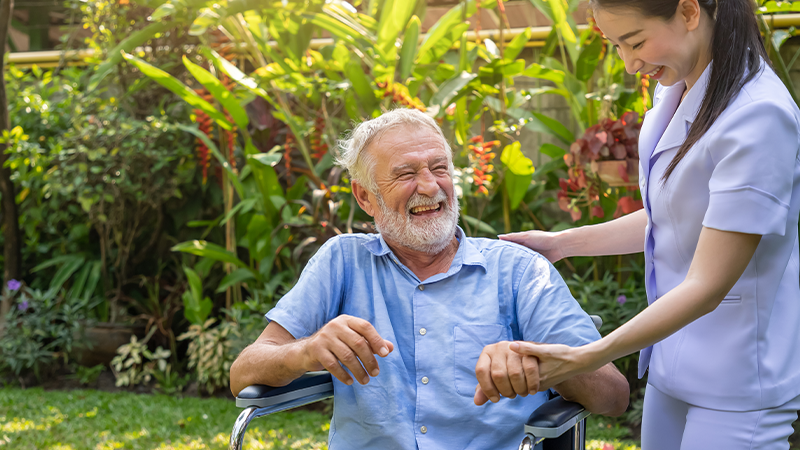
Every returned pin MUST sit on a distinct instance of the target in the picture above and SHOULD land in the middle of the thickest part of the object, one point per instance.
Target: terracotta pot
(611, 172)
(102, 340)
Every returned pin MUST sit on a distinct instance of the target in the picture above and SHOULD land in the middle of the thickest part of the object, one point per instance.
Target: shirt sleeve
(546, 310)
(317, 296)
(755, 154)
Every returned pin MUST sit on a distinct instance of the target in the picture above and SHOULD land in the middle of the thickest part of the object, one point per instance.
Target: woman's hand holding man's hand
(520, 368)
(501, 371)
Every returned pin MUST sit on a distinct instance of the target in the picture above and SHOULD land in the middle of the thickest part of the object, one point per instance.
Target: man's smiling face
(415, 203)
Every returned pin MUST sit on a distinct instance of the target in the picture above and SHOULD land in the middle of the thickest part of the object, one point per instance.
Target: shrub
(41, 329)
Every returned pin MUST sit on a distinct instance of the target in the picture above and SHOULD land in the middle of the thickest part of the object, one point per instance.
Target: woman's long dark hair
(736, 52)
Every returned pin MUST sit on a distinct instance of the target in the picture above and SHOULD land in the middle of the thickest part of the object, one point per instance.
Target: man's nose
(426, 184)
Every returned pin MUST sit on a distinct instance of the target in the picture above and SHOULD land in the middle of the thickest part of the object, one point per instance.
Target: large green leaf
(218, 90)
(361, 85)
(559, 11)
(516, 45)
(516, 161)
(588, 59)
(518, 174)
(58, 260)
(429, 59)
(544, 7)
(237, 184)
(208, 250)
(394, 17)
(237, 75)
(65, 272)
(195, 284)
(128, 44)
(181, 90)
(268, 185)
(479, 224)
(539, 71)
(442, 28)
(451, 88)
(409, 50)
(258, 236)
(552, 151)
(339, 30)
(196, 307)
(237, 276)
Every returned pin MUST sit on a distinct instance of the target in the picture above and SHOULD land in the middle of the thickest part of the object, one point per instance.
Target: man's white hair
(353, 154)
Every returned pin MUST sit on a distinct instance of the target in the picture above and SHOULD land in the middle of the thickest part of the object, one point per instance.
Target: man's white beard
(427, 235)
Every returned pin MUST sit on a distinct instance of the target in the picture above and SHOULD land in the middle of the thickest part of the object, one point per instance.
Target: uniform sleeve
(754, 153)
(546, 310)
(316, 298)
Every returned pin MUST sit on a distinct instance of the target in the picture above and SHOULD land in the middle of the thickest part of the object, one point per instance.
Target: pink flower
(622, 299)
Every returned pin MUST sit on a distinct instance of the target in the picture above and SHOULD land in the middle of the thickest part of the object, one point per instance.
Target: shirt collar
(466, 254)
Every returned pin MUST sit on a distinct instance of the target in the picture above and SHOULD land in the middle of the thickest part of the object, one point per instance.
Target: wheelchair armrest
(316, 384)
(554, 417)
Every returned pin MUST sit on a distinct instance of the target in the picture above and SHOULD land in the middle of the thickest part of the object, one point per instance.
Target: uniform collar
(668, 123)
(681, 121)
(466, 255)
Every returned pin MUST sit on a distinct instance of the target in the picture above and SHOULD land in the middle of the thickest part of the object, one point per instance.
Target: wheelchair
(557, 423)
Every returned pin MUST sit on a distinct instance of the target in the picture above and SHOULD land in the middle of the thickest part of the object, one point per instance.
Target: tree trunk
(11, 250)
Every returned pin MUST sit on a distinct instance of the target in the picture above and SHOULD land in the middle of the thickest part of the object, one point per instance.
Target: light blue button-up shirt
(493, 291)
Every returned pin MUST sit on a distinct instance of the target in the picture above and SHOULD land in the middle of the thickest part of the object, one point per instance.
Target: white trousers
(671, 424)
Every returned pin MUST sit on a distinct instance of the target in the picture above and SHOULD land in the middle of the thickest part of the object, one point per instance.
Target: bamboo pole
(538, 37)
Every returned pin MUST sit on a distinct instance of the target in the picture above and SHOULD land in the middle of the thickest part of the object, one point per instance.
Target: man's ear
(362, 197)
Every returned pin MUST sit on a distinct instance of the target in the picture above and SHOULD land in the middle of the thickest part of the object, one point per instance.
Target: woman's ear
(689, 12)
(362, 195)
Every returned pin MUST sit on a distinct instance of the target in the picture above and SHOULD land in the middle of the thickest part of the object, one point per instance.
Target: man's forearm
(604, 391)
(267, 363)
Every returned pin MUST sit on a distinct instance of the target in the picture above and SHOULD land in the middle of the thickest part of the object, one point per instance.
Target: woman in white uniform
(720, 180)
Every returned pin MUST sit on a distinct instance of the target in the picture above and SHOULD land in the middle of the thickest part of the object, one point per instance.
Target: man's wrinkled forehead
(405, 138)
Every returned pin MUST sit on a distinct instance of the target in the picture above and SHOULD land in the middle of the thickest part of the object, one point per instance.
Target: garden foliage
(184, 180)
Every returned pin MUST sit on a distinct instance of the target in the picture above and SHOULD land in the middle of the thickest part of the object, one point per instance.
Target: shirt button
(422, 331)
(423, 429)
(424, 380)
(421, 287)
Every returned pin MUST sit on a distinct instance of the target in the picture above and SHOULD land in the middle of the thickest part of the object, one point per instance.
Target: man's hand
(346, 341)
(501, 371)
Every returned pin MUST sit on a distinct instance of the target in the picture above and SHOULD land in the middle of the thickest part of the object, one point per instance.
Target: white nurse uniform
(743, 176)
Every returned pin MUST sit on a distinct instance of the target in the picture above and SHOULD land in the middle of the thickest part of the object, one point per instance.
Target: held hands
(501, 371)
(539, 241)
(521, 368)
(346, 341)
(557, 362)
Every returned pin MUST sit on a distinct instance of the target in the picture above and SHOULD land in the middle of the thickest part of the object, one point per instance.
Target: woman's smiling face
(670, 51)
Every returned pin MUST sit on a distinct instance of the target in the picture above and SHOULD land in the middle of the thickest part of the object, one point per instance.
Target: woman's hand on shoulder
(543, 242)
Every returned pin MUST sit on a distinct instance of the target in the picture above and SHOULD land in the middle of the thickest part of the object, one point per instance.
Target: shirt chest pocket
(468, 342)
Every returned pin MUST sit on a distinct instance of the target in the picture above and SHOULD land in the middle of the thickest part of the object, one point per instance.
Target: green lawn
(88, 419)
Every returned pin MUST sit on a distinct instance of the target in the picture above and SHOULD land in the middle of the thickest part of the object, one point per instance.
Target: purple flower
(13, 285)
(23, 306)
(622, 299)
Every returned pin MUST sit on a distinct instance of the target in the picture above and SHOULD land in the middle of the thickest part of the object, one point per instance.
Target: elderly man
(436, 306)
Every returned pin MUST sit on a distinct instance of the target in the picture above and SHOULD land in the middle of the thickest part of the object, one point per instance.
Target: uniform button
(422, 331)
(424, 380)
(421, 287)
(423, 429)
